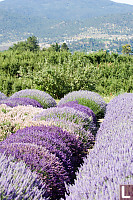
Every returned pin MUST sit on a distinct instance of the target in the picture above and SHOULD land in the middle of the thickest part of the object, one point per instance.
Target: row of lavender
(42, 99)
(32, 97)
(110, 162)
(52, 152)
(80, 121)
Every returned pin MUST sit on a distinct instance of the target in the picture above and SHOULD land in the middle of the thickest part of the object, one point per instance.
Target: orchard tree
(20, 46)
(126, 49)
(30, 45)
(54, 47)
(64, 47)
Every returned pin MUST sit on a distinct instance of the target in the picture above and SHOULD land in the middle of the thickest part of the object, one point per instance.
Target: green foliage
(4, 110)
(60, 72)
(126, 49)
(6, 128)
(57, 48)
(54, 47)
(93, 106)
(30, 45)
(64, 47)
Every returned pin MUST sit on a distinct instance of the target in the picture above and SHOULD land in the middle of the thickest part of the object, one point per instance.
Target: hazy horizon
(130, 2)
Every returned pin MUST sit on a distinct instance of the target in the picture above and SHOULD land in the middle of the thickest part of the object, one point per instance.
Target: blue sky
(119, 1)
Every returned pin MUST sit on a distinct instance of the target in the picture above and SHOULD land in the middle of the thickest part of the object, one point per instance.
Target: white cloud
(130, 2)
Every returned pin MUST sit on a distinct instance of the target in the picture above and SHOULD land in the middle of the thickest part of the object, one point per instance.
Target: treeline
(94, 44)
(60, 72)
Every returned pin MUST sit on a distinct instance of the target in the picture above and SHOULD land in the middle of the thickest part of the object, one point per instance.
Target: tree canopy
(64, 47)
(31, 44)
(126, 49)
(56, 47)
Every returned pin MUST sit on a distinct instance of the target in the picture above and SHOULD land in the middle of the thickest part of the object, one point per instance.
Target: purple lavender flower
(42, 97)
(53, 153)
(109, 163)
(68, 114)
(2, 96)
(18, 182)
(85, 136)
(46, 165)
(90, 99)
(75, 105)
(13, 102)
(64, 145)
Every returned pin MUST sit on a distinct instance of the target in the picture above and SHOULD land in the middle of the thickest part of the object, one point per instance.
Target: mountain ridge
(65, 9)
(54, 19)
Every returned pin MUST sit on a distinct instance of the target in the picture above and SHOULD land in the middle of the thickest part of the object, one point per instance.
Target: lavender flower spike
(91, 99)
(42, 97)
(2, 96)
(110, 163)
(18, 182)
(84, 109)
(24, 101)
(47, 166)
(68, 114)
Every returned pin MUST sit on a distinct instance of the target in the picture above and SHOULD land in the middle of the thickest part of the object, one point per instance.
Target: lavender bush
(75, 105)
(18, 182)
(46, 165)
(68, 114)
(85, 136)
(24, 101)
(2, 96)
(109, 164)
(12, 119)
(65, 146)
(87, 98)
(42, 97)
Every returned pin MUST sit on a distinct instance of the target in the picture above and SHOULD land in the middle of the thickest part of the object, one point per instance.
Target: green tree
(20, 46)
(31, 45)
(64, 47)
(54, 47)
(126, 49)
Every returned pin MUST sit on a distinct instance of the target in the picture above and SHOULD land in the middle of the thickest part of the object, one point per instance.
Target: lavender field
(51, 151)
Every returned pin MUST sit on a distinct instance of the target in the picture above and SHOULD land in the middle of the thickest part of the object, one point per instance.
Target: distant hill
(63, 9)
(50, 20)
